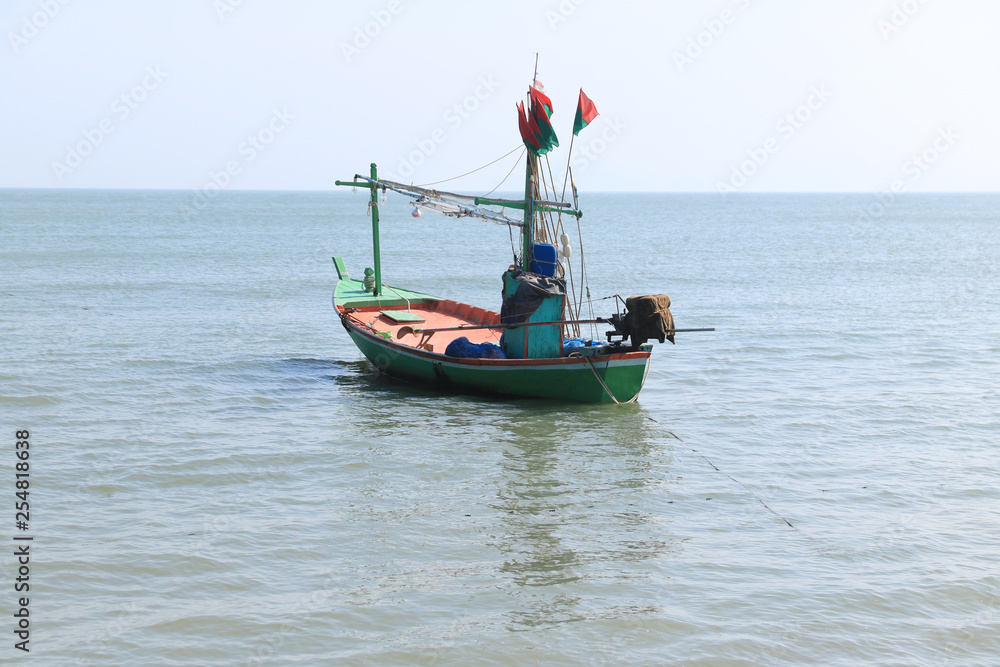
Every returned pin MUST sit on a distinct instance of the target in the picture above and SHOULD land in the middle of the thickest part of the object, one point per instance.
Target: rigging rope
(517, 162)
(574, 299)
(437, 201)
(455, 178)
(584, 283)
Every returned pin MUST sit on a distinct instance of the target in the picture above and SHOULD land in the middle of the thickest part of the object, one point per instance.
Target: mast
(528, 228)
(374, 207)
(373, 185)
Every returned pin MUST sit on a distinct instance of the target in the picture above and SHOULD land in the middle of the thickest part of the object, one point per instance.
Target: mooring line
(748, 489)
(604, 384)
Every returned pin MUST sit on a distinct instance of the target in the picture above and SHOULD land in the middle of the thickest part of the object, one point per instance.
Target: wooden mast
(528, 228)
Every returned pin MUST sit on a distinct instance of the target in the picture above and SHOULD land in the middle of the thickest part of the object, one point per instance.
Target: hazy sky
(748, 95)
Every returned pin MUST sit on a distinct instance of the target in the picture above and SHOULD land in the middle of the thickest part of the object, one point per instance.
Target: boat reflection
(572, 499)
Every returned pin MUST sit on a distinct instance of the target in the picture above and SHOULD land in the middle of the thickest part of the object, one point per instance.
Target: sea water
(218, 477)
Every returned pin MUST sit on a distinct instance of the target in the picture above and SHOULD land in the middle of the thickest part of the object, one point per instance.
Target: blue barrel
(543, 260)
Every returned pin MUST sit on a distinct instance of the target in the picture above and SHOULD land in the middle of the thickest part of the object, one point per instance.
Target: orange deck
(437, 315)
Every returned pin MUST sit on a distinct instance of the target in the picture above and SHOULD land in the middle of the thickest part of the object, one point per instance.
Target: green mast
(378, 257)
(373, 185)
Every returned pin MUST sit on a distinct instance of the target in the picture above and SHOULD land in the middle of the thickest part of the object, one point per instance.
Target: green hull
(566, 378)
(543, 373)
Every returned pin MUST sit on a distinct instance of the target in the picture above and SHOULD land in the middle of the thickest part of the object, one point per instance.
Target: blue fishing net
(463, 349)
(571, 345)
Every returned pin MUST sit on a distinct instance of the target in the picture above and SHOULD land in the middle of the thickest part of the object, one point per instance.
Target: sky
(694, 96)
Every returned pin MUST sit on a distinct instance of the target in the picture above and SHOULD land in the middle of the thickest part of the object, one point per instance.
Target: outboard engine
(645, 318)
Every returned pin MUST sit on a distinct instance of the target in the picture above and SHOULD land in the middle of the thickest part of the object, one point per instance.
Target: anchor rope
(747, 488)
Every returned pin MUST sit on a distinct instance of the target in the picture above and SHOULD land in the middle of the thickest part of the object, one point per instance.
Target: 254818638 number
(22, 484)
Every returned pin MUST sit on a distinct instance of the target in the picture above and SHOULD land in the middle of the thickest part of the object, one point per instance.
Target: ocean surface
(218, 477)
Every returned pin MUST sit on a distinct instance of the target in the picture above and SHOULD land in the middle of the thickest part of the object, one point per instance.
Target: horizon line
(335, 189)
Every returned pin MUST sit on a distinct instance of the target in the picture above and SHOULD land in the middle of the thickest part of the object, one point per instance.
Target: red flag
(538, 98)
(528, 135)
(536, 131)
(585, 112)
(543, 126)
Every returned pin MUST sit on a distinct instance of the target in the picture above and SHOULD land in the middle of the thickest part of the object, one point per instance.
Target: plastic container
(543, 260)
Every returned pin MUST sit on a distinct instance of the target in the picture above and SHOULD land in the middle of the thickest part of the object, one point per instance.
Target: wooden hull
(565, 378)
(592, 379)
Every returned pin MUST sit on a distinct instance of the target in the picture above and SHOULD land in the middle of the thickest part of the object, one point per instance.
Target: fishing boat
(533, 347)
